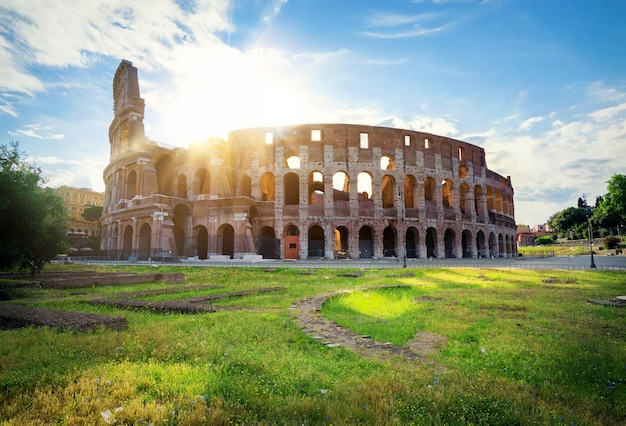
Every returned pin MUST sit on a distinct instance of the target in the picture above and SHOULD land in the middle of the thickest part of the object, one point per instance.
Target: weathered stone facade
(299, 192)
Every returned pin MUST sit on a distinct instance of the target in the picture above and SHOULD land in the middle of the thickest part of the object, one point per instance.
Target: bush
(543, 240)
(611, 241)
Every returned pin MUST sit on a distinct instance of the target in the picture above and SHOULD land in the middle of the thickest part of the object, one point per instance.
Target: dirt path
(313, 323)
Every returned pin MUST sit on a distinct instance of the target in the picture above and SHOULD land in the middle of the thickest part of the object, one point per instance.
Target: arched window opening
(431, 243)
(466, 244)
(181, 186)
(267, 243)
(145, 240)
(449, 240)
(316, 242)
(127, 242)
(387, 163)
(447, 193)
(388, 191)
(245, 186)
(364, 185)
(202, 182)
(131, 185)
(389, 242)
(202, 242)
(268, 190)
(341, 242)
(366, 243)
(412, 243)
(316, 188)
(165, 175)
(226, 235)
(291, 184)
(293, 162)
(490, 204)
(410, 185)
(429, 189)
(463, 172)
(341, 187)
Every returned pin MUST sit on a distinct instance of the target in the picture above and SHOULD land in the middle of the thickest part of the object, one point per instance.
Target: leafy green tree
(92, 213)
(570, 219)
(33, 223)
(614, 202)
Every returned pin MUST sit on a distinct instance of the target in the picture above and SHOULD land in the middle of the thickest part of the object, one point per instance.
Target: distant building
(526, 235)
(76, 200)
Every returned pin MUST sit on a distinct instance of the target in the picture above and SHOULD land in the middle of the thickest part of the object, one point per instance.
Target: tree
(92, 213)
(33, 223)
(570, 219)
(614, 202)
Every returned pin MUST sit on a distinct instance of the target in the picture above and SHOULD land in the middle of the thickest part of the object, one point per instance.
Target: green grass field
(521, 348)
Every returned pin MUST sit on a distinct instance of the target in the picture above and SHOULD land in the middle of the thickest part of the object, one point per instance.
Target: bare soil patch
(13, 315)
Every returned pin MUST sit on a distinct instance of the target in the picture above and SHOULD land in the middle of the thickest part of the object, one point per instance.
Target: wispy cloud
(36, 131)
(527, 124)
(381, 19)
(410, 33)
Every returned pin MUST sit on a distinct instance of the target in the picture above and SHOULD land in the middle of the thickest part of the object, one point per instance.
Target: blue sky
(540, 85)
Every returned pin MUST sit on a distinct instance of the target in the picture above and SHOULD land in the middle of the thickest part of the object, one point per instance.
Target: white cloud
(36, 131)
(608, 113)
(393, 19)
(525, 125)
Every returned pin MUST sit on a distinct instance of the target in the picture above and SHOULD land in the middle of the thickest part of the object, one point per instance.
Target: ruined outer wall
(352, 191)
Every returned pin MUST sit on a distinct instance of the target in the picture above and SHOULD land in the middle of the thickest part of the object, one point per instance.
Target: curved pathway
(331, 334)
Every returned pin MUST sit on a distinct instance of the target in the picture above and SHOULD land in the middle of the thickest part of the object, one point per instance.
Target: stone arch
(410, 190)
(131, 185)
(387, 162)
(165, 175)
(202, 242)
(245, 186)
(292, 161)
(316, 187)
(447, 193)
(449, 243)
(464, 200)
(466, 244)
(388, 186)
(267, 188)
(430, 198)
(291, 242)
(501, 248)
(181, 186)
(431, 243)
(144, 241)
(226, 240)
(268, 246)
(389, 241)
(341, 186)
(182, 222)
(202, 182)
(366, 242)
(127, 241)
(412, 243)
(316, 242)
(463, 171)
(341, 248)
(291, 184)
(364, 185)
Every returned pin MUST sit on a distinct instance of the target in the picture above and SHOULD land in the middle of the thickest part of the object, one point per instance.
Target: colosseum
(308, 191)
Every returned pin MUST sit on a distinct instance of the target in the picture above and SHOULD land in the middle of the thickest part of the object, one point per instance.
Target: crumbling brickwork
(299, 192)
